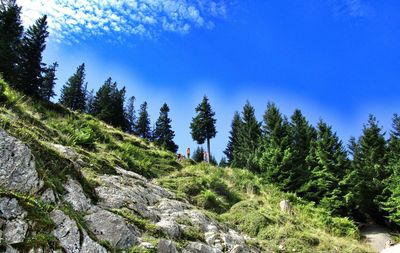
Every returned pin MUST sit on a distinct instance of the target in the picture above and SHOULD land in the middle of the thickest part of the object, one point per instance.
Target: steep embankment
(71, 183)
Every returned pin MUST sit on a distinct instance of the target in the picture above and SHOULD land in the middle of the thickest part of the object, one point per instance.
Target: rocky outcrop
(166, 246)
(103, 220)
(76, 196)
(17, 165)
(66, 231)
(112, 228)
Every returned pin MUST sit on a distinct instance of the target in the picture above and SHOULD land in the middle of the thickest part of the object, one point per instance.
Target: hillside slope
(71, 183)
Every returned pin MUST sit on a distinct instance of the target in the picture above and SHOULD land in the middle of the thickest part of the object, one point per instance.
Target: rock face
(103, 221)
(66, 231)
(112, 228)
(17, 165)
(75, 196)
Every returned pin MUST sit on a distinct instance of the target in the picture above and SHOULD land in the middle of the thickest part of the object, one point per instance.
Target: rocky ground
(130, 212)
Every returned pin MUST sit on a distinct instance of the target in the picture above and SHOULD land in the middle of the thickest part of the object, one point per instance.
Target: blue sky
(338, 60)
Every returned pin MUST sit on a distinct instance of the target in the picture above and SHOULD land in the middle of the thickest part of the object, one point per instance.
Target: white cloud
(74, 20)
(353, 8)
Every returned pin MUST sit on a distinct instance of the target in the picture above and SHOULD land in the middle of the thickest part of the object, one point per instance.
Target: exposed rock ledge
(126, 191)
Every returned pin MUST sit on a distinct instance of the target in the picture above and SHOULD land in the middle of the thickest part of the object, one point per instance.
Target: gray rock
(67, 152)
(76, 196)
(239, 249)
(66, 231)
(48, 196)
(146, 245)
(166, 246)
(15, 231)
(10, 209)
(17, 165)
(36, 250)
(198, 247)
(113, 228)
(10, 249)
(90, 246)
(170, 227)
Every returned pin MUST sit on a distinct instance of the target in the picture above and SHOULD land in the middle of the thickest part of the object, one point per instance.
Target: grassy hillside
(233, 196)
(238, 198)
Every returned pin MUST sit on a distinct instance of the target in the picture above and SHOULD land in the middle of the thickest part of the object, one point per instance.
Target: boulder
(90, 246)
(17, 165)
(198, 247)
(48, 196)
(112, 228)
(10, 208)
(15, 231)
(66, 231)
(76, 196)
(171, 228)
(166, 246)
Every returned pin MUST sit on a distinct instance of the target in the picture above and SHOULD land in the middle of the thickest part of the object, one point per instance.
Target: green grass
(240, 199)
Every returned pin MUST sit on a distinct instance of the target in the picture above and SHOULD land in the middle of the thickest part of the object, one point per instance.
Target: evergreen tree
(302, 134)
(248, 139)
(369, 166)
(108, 104)
(10, 39)
(163, 134)
(198, 155)
(143, 124)
(203, 125)
(275, 155)
(328, 164)
(131, 114)
(89, 107)
(233, 137)
(223, 162)
(73, 92)
(30, 66)
(49, 81)
(392, 204)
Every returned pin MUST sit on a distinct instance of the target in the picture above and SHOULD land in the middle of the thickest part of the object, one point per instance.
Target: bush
(2, 90)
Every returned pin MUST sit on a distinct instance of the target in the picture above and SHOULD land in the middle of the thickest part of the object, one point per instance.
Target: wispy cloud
(353, 8)
(75, 20)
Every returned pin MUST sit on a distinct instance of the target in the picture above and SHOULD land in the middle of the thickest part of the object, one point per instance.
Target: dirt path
(376, 236)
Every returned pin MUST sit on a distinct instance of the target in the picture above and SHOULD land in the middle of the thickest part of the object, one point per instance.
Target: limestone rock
(76, 196)
(198, 247)
(170, 227)
(17, 165)
(15, 231)
(66, 231)
(90, 246)
(48, 196)
(113, 228)
(10, 208)
(166, 246)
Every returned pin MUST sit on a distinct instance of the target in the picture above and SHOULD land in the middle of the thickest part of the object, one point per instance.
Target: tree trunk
(208, 149)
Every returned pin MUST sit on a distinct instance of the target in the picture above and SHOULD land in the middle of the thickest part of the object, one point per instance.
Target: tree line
(360, 180)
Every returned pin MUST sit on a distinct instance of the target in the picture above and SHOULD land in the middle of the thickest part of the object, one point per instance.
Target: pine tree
(10, 39)
(163, 134)
(203, 125)
(328, 164)
(49, 81)
(131, 114)
(143, 124)
(198, 155)
(73, 92)
(108, 104)
(233, 137)
(248, 139)
(223, 162)
(369, 166)
(275, 155)
(30, 66)
(89, 107)
(302, 134)
(392, 185)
